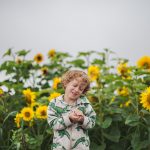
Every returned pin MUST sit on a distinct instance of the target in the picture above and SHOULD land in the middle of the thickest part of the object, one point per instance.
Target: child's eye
(81, 89)
(75, 85)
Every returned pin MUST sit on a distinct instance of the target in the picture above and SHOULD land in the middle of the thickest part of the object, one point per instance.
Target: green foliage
(118, 125)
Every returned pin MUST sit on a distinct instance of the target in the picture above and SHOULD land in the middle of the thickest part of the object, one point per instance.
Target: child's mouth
(74, 94)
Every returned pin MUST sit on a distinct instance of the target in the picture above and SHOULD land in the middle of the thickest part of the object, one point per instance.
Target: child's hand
(73, 117)
(76, 116)
(80, 119)
(78, 112)
(80, 115)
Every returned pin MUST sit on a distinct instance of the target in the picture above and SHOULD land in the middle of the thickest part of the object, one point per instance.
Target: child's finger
(78, 112)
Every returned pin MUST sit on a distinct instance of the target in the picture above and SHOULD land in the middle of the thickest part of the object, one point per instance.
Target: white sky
(71, 26)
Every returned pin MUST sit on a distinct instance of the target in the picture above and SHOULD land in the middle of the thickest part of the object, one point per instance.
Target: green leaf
(136, 142)
(1, 134)
(145, 112)
(106, 123)
(8, 66)
(117, 118)
(18, 146)
(94, 146)
(116, 110)
(77, 62)
(13, 113)
(107, 50)
(113, 135)
(132, 120)
(144, 144)
(147, 80)
(101, 54)
(22, 52)
(98, 61)
(8, 52)
(85, 53)
(119, 83)
(49, 131)
(61, 55)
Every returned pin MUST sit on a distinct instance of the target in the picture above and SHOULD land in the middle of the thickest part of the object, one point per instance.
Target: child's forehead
(78, 80)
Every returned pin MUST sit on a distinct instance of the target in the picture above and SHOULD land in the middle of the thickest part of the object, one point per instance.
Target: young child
(70, 115)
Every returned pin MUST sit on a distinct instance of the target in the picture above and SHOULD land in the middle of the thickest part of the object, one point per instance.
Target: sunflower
(34, 105)
(53, 95)
(17, 119)
(93, 72)
(144, 62)
(44, 70)
(38, 58)
(29, 96)
(56, 81)
(123, 91)
(123, 70)
(41, 112)
(127, 103)
(27, 113)
(145, 99)
(1, 92)
(51, 53)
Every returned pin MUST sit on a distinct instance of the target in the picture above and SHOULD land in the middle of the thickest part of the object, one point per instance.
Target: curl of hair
(73, 74)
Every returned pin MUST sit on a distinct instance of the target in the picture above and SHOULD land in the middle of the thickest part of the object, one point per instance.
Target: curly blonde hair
(73, 74)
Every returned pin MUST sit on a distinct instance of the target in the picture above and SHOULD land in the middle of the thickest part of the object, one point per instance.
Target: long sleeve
(57, 122)
(89, 118)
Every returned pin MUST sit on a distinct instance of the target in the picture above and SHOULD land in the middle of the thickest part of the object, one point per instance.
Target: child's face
(74, 89)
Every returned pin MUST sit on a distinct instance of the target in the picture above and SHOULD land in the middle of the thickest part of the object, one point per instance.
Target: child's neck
(68, 100)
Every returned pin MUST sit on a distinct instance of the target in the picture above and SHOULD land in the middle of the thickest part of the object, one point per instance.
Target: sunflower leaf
(22, 52)
(8, 52)
(13, 113)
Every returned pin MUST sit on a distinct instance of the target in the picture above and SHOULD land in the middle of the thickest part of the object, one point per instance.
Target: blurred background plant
(120, 95)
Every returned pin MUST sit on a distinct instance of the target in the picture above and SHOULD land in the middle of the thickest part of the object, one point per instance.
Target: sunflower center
(43, 113)
(148, 98)
(51, 54)
(120, 89)
(39, 58)
(146, 65)
(28, 98)
(123, 70)
(45, 71)
(27, 114)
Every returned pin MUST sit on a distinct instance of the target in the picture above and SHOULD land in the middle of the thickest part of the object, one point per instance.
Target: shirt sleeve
(57, 122)
(89, 118)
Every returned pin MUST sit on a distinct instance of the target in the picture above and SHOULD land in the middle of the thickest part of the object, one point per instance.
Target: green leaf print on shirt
(62, 133)
(80, 140)
(55, 145)
(64, 148)
(78, 128)
(82, 109)
(59, 110)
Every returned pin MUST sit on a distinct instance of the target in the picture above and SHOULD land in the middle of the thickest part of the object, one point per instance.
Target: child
(70, 115)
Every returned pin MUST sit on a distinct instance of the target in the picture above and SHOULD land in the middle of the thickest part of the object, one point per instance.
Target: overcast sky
(71, 26)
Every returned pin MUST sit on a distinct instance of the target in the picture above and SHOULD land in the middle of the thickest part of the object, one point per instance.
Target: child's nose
(77, 89)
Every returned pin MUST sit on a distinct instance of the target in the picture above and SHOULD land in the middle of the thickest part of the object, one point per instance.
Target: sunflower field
(119, 93)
